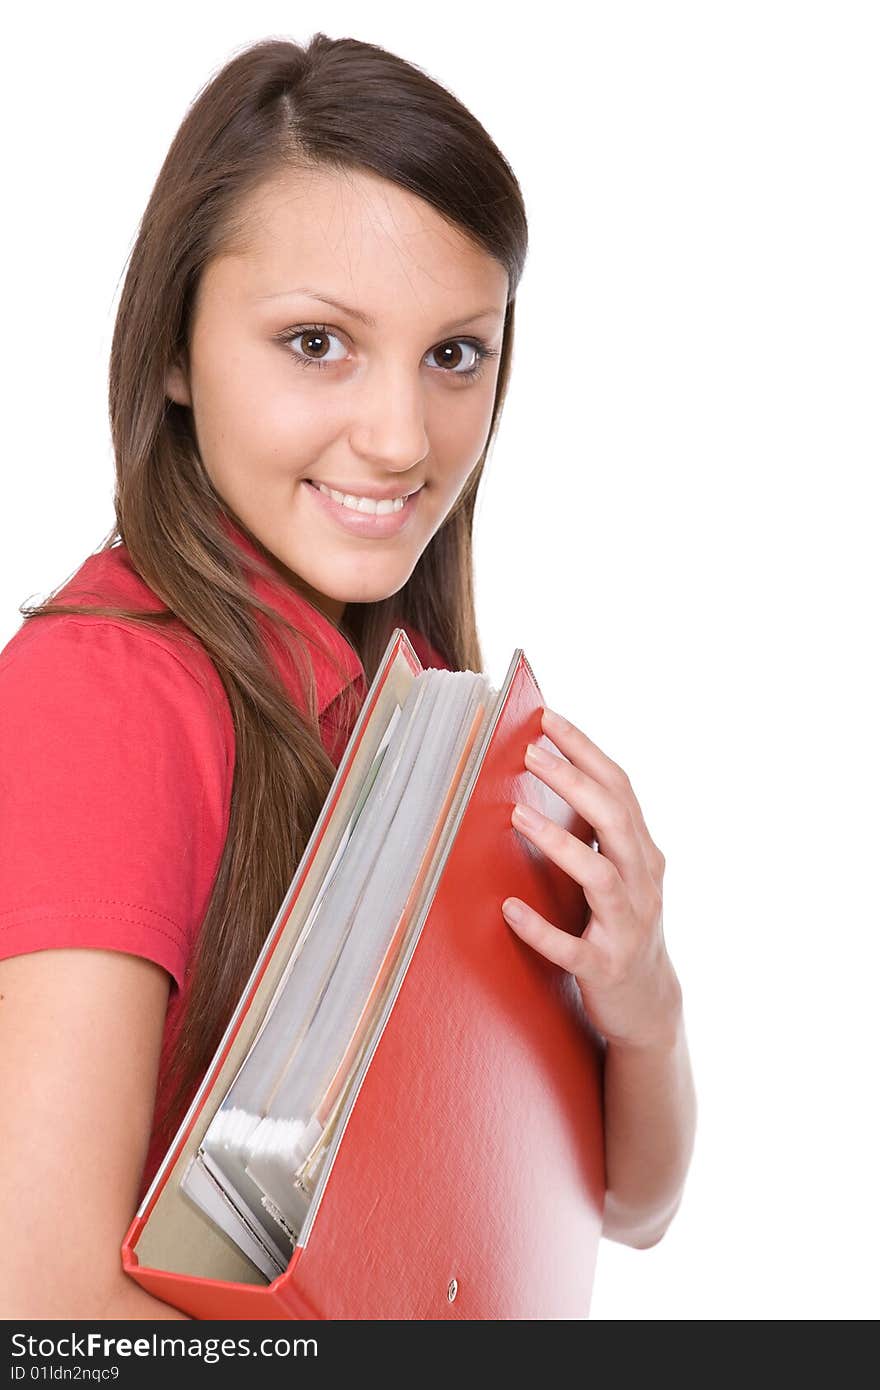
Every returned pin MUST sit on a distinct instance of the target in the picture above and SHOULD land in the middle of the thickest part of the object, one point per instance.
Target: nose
(388, 425)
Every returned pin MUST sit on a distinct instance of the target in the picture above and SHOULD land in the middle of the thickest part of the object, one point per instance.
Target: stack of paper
(261, 1157)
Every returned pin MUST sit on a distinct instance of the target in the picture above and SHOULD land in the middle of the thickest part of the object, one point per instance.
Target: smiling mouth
(364, 506)
(369, 518)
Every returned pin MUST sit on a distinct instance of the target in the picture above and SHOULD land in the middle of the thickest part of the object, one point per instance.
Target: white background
(678, 524)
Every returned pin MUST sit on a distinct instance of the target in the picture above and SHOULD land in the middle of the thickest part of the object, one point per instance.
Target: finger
(587, 755)
(584, 753)
(561, 947)
(597, 875)
(618, 838)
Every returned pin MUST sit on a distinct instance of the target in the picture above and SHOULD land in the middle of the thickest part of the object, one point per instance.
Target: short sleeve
(113, 793)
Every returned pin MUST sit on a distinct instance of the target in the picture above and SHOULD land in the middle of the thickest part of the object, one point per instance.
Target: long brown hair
(340, 104)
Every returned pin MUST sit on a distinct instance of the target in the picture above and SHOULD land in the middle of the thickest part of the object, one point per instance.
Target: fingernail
(555, 721)
(512, 910)
(539, 757)
(526, 817)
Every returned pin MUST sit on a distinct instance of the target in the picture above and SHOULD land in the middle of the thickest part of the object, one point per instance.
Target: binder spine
(207, 1299)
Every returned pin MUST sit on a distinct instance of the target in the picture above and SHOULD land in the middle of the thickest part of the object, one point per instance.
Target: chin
(372, 594)
(367, 590)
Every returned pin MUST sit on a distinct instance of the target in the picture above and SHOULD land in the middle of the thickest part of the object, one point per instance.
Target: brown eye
(449, 354)
(315, 344)
(462, 358)
(311, 346)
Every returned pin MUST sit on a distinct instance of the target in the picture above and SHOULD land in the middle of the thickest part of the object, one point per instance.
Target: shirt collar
(335, 662)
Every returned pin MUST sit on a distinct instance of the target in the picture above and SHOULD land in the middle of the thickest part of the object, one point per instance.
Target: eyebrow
(367, 319)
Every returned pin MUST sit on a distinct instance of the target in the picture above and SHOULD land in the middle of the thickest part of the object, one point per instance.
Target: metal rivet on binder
(452, 1290)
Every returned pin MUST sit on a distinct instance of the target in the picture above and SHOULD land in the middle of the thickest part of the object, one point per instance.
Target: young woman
(309, 362)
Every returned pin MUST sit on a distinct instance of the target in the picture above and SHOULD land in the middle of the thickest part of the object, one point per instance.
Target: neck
(331, 608)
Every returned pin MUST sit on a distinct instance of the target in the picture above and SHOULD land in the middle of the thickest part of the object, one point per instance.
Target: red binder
(469, 1179)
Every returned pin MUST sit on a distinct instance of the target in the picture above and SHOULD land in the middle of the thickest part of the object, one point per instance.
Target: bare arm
(650, 1122)
(80, 1037)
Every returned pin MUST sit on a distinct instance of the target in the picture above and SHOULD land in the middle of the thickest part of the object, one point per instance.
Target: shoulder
(87, 678)
(116, 765)
(113, 653)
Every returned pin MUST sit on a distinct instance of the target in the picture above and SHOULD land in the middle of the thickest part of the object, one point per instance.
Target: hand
(629, 988)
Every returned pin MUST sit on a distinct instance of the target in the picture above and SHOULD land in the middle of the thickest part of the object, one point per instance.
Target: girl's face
(384, 392)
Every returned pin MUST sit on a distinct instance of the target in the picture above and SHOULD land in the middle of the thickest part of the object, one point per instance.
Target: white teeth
(364, 504)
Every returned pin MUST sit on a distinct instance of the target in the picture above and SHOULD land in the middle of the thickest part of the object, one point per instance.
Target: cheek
(458, 437)
(260, 420)
(286, 429)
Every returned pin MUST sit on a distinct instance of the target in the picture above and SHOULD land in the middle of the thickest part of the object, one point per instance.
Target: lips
(366, 525)
(372, 494)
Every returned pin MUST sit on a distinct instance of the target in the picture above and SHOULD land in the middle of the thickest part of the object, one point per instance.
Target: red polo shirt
(117, 750)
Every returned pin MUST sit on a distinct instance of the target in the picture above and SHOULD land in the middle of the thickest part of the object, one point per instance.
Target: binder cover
(467, 1180)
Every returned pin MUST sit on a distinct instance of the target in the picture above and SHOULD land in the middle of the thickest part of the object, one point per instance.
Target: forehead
(355, 234)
